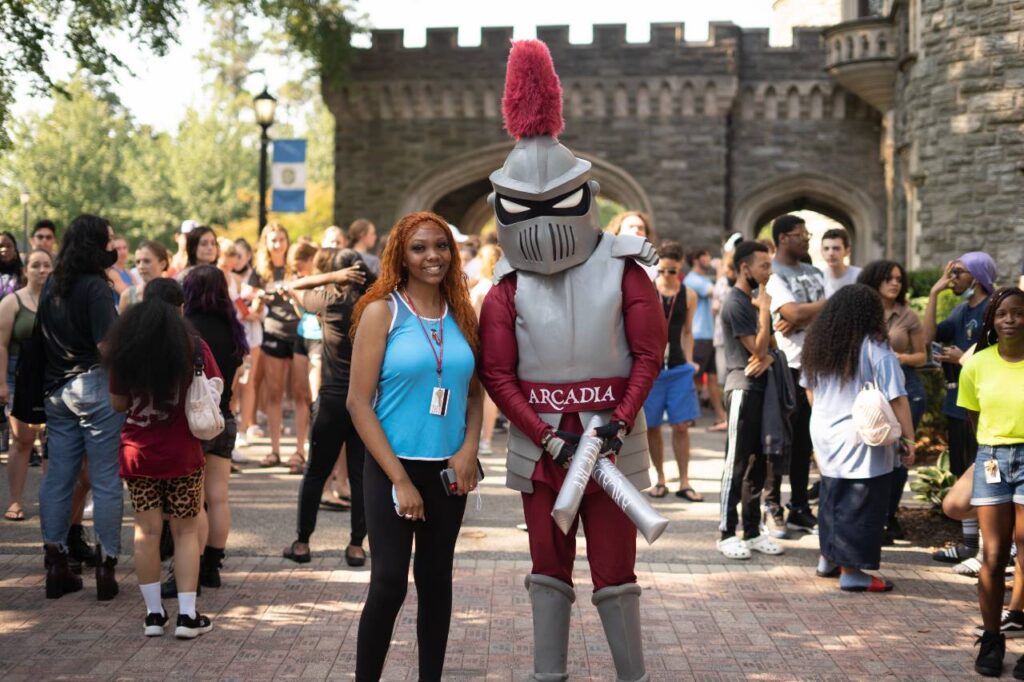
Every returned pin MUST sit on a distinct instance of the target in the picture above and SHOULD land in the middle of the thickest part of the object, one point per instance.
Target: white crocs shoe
(734, 548)
(968, 567)
(765, 545)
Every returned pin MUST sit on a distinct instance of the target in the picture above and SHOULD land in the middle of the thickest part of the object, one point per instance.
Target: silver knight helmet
(543, 199)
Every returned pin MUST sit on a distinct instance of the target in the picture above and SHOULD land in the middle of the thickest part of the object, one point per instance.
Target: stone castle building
(901, 119)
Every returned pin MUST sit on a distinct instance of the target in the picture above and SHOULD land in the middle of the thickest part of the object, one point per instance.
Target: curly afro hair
(833, 342)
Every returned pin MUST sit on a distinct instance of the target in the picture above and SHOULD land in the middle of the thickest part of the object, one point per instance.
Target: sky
(163, 88)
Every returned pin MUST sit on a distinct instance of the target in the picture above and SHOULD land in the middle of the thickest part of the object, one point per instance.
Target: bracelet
(907, 441)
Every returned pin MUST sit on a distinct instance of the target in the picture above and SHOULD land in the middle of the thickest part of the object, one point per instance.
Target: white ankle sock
(151, 593)
(187, 603)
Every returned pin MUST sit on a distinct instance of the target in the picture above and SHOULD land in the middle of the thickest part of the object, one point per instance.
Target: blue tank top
(408, 376)
(309, 327)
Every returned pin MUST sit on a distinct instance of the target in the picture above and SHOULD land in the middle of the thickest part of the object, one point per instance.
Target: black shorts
(222, 445)
(308, 347)
(275, 346)
(963, 445)
(704, 356)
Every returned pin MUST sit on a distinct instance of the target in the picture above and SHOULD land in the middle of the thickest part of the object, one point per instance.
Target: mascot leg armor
(552, 602)
(619, 608)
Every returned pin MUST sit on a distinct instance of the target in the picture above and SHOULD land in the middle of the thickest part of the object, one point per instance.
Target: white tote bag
(202, 406)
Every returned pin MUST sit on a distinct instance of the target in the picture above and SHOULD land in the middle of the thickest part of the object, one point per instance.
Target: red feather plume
(532, 105)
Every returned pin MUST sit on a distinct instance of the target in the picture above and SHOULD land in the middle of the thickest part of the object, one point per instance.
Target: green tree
(31, 31)
(71, 159)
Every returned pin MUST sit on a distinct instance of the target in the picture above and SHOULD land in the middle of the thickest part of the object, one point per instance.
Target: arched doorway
(838, 200)
(457, 189)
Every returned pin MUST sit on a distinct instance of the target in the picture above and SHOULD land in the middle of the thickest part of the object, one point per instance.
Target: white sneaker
(734, 548)
(765, 545)
(485, 448)
(240, 440)
(87, 512)
(237, 457)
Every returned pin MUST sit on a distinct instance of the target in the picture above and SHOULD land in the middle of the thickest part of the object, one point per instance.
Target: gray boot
(552, 605)
(619, 608)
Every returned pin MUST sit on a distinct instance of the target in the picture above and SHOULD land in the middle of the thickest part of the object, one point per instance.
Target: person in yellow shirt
(990, 391)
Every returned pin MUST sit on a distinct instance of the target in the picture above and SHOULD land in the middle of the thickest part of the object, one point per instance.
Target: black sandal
(297, 558)
(355, 560)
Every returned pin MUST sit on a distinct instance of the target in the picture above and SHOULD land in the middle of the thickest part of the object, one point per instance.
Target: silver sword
(586, 463)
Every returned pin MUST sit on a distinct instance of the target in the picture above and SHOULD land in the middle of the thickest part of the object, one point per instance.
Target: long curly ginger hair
(453, 288)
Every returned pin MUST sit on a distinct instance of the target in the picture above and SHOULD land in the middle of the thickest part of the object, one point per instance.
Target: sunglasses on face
(956, 272)
(668, 271)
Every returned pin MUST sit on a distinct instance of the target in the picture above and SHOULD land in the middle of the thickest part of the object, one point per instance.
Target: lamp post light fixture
(264, 104)
(25, 197)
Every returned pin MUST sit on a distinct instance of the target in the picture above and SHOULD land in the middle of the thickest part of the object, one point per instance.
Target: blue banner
(288, 177)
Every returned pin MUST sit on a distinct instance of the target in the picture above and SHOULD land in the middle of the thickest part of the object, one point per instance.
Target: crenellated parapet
(734, 71)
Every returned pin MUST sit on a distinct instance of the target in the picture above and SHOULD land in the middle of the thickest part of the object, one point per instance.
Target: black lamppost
(25, 196)
(264, 104)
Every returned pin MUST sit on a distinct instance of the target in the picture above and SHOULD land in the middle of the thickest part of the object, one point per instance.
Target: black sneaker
(190, 628)
(801, 518)
(990, 657)
(155, 623)
(954, 554)
(34, 458)
(895, 529)
(1011, 624)
(814, 492)
(773, 522)
(1018, 670)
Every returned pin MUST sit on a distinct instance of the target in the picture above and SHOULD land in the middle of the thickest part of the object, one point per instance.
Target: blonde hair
(264, 264)
(489, 255)
(615, 224)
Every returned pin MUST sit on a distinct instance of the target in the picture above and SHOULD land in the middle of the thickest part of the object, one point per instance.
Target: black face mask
(752, 283)
(731, 281)
(240, 271)
(109, 258)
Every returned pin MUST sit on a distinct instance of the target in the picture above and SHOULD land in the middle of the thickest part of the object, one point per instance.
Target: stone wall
(959, 128)
(685, 130)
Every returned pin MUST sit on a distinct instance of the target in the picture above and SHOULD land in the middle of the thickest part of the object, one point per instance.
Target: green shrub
(934, 482)
(920, 282)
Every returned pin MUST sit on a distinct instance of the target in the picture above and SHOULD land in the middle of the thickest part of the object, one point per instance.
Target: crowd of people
(800, 367)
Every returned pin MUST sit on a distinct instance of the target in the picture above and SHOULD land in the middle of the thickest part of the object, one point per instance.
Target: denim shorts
(1010, 487)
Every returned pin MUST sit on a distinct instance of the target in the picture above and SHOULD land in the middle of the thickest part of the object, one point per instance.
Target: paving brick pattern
(272, 620)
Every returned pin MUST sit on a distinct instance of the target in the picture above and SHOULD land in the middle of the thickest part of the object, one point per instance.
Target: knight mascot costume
(572, 338)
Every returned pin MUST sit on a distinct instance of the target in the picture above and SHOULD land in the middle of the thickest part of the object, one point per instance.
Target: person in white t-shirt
(798, 296)
(835, 250)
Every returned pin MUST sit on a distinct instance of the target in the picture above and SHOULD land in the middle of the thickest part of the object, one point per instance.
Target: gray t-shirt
(801, 283)
(833, 284)
(739, 318)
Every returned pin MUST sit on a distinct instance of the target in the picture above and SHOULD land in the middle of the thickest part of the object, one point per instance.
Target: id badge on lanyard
(439, 395)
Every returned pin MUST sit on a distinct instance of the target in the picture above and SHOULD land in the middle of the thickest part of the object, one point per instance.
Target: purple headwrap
(982, 268)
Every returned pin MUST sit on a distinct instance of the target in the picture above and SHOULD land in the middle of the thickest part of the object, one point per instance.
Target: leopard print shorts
(177, 497)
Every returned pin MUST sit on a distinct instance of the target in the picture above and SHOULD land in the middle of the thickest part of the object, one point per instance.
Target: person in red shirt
(160, 460)
(573, 329)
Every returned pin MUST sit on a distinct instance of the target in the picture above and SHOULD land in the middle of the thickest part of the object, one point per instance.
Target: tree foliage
(81, 30)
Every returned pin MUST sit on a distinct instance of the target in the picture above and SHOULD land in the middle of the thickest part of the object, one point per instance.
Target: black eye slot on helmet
(511, 210)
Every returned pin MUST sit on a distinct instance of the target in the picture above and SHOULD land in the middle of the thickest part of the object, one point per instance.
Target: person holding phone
(417, 405)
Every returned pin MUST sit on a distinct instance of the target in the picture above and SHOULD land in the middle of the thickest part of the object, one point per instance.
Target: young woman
(906, 337)
(152, 261)
(201, 247)
(673, 391)
(308, 350)
(209, 309)
(160, 460)
(75, 312)
(17, 318)
(416, 403)
(488, 256)
(280, 334)
(250, 313)
(846, 347)
(332, 301)
(11, 269)
(990, 391)
(635, 223)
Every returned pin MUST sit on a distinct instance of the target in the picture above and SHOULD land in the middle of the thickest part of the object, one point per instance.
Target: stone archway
(456, 175)
(838, 199)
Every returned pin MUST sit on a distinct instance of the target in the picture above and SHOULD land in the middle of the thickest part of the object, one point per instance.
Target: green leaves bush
(933, 482)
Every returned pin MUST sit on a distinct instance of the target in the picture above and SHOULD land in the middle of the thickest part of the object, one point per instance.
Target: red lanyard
(671, 309)
(439, 357)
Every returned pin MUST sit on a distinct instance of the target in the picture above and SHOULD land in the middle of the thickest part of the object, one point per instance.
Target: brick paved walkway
(702, 622)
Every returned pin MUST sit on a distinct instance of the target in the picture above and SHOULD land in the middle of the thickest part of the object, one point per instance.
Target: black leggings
(332, 427)
(391, 540)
